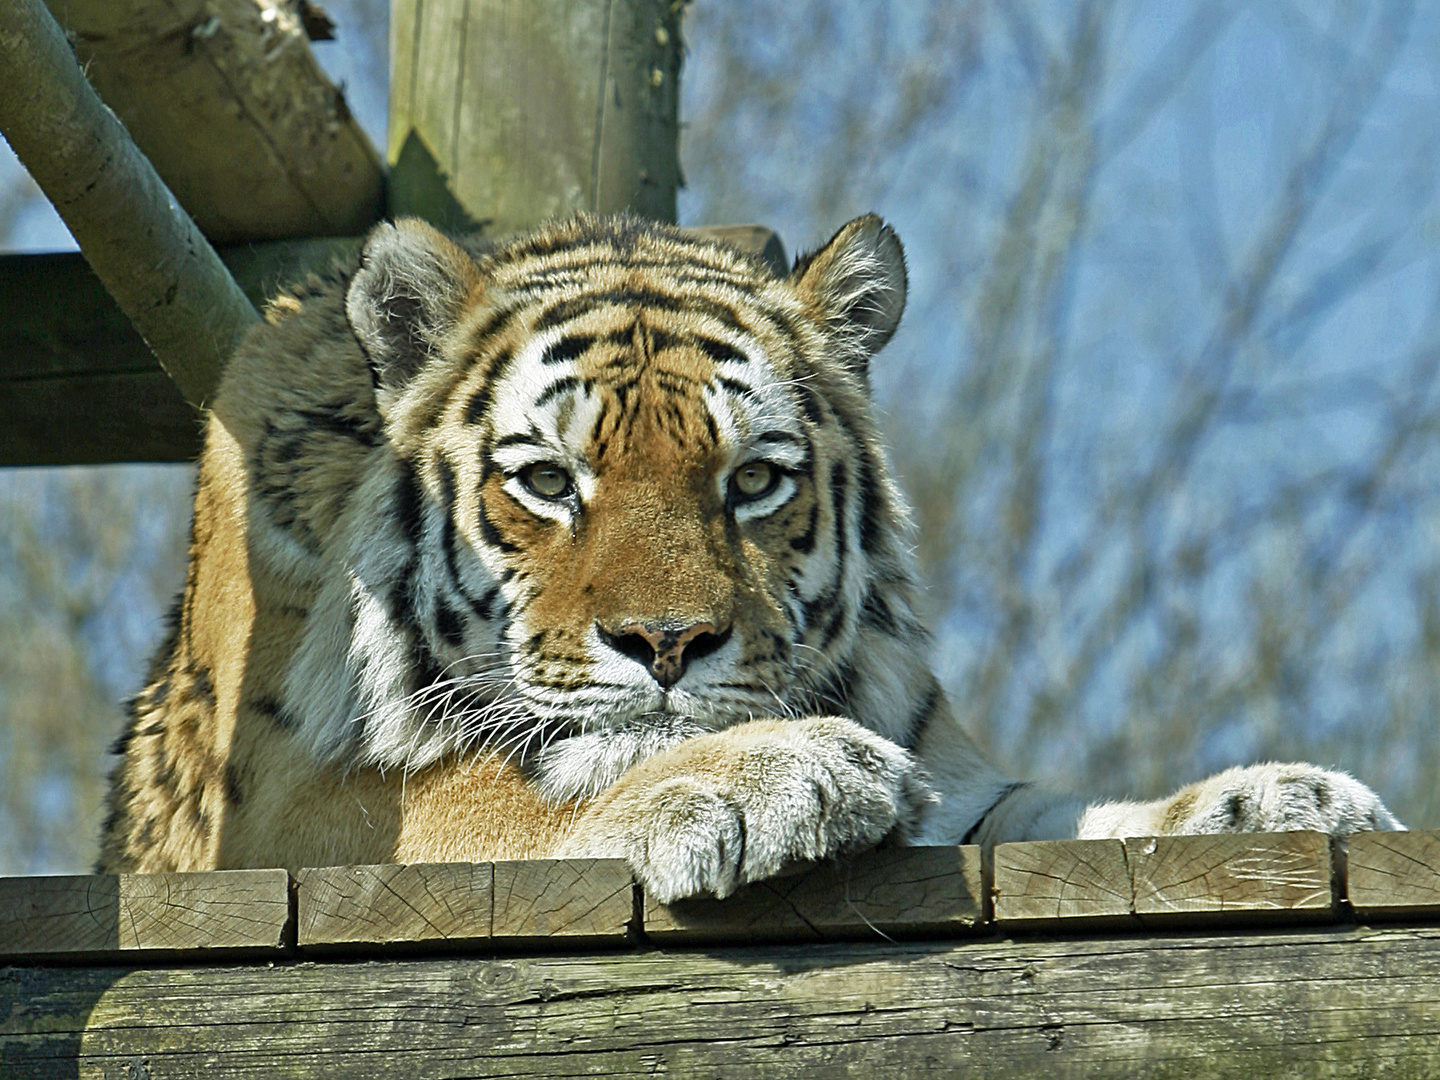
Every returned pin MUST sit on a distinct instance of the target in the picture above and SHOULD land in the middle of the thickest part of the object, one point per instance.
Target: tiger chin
(583, 545)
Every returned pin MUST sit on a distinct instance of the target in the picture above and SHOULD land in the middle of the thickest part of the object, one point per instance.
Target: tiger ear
(856, 284)
(410, 288)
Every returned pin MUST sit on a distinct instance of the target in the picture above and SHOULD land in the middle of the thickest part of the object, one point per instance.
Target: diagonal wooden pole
(151, 257)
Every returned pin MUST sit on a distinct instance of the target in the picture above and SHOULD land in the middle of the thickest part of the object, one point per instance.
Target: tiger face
(630, 491)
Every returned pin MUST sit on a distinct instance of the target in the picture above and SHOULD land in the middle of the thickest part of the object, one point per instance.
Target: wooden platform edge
(1062, 887)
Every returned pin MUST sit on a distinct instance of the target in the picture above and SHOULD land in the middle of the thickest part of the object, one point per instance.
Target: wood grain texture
(225, 97)
(563, 902)
(900, 892)
(1394, 875)
(505, 113)
(393, 905)
(1339, 1003)
(1062, 884)
(107, 915)
(1196, 881)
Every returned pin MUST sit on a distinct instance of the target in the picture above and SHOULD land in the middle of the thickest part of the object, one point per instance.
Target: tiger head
(629, 489)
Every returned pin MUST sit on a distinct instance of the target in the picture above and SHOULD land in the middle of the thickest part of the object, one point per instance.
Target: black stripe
(565, 310)
(479, 403)
(920, 720)
(869, 504)
(810, 403)
(719, 351)
(782, 437)
(567, 348)
(555, 389)
(835, 625)
(449, 624)
(409, 503)
(521, 438)
(448, 489)
(876, 614)
(485, 606)
(735, 387)
(491, 534)
(272, 709)
(805, 542)
(332, 417)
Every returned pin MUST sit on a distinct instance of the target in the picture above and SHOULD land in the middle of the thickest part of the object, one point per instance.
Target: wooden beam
(505, 113)
(1343, 1003)
(78, 385)
(147, 251)
(227, 101)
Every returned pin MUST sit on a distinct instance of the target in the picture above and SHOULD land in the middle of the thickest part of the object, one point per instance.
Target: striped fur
(396, 643)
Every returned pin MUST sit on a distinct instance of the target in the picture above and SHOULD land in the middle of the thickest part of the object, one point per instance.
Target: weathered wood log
(110, 915)
(78, 385)
(1334, 1002)
(505, 113)
(147, 251)
(227, 101)
(899, 892)
(1394, 875)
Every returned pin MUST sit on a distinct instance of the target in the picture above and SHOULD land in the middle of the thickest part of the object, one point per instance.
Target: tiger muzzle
(665, 648)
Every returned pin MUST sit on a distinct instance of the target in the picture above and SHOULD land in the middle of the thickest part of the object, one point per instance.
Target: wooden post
(504, 113)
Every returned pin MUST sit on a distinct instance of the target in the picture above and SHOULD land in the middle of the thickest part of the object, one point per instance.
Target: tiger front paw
(744, 804)
(1254, 798)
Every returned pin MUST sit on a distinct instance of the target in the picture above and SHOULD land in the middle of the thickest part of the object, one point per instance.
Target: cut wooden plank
(563, 902)
(1062, 885)
(227, 100)
(114, 915)
(1346, 1003)
(1394, 874)
(1232, 879)
(897, 892)
(506, 113)
(394, 906)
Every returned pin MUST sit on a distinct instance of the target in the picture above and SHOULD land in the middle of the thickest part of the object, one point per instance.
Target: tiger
(583, 544)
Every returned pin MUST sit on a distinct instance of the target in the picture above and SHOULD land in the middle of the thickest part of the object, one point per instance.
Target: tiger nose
(665, 648)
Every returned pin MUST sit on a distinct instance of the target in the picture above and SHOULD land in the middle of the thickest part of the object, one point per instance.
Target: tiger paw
(1254, 798)
(744, 804)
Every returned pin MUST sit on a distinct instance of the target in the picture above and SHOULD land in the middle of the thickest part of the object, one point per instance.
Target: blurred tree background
(1165, 398)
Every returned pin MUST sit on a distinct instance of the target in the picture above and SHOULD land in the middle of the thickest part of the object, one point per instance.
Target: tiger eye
(754, 479)
(546, 480)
